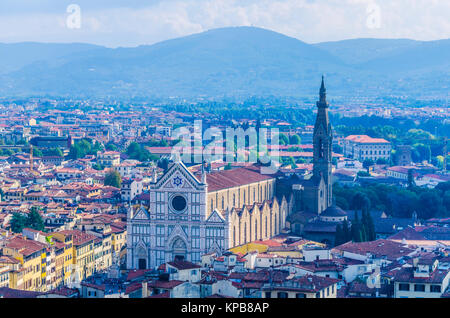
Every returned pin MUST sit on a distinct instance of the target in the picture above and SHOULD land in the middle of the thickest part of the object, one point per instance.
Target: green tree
(363, 174)
(411, 182)
(355, 229)
(53, 152)
(421, 152)
(34, 220)
(360, 201)
(18, 222)
(163, 164)
(283, 139)
(337, 148)
(98, 167)
(367, 163)
(37, 152)
(368, 225)
(111, 147)
(446, 201)
(382, 161)
(84, 147)
(138, 152)
(346, 231)
(430, 204)
(113, 179)
(339, 236)
(295, 140)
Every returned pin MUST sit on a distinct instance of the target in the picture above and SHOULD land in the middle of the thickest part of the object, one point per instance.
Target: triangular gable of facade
(255, 209)
(178, 167)
(141, 214)
(215, 217)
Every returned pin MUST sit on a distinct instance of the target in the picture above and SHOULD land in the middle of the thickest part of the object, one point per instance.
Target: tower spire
(323, 95)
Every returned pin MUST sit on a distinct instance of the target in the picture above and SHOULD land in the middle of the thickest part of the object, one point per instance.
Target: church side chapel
(190, 215)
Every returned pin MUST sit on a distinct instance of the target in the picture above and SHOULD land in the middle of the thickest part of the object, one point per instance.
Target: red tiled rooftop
(365, 139)
(379, 248)
(233, 178)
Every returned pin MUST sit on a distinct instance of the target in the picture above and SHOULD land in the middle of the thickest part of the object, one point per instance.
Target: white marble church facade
(186, 220)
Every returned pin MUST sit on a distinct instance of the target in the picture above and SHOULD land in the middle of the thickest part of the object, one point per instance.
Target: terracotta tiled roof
(366, 139)
(137, 273)
(181, 265)
(164, 284)
(379, 248)
(408, 234)
(307, 283)
(79, 237)
(25, 246)
(6, 292)
(233, 178)
(407, 275)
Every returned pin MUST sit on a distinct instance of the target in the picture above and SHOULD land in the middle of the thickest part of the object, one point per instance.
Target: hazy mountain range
(239, 61)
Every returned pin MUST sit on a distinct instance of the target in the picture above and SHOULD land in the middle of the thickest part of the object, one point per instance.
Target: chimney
(415, 262)
(144, 289)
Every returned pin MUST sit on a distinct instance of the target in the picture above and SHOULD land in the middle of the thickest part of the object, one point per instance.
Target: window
(282, 295)
(195, 257)
(300, 295)
(179, 203)
(245, 233)
(419, 287)
(160, 234)
(214, 234)
(403, 287)
(265, 234)
(435, 288)
(195, 231)
(160, 257)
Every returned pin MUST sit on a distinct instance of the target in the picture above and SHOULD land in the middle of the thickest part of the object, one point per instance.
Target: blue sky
(133, 22)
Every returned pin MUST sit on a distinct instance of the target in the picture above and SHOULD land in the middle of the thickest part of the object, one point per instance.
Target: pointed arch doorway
(142, 257)
(179, 250)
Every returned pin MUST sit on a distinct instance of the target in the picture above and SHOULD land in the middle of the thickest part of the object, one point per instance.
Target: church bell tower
(322, 142)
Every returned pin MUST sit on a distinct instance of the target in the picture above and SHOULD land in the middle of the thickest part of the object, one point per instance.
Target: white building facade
(177, 225)
(362, 147)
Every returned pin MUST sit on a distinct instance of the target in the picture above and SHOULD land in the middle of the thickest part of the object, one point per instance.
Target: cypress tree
(363, 233)
(371, 228)
(346, 232)
(339, 237)
(355, 228)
